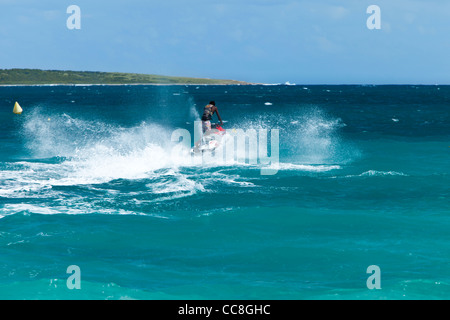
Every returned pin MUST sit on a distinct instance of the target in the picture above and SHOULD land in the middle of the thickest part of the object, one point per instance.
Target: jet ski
(211, 140)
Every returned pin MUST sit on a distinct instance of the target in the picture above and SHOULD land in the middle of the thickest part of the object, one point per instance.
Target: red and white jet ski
(211, 140)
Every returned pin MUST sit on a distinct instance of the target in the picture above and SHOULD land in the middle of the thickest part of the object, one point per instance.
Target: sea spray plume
(95, 152)
(194, 116)
(253, 147)
(315, 137)
(48, 135)
(251, 138)
(193, 112)
(63, 135)
(131, 153)
(308, 135)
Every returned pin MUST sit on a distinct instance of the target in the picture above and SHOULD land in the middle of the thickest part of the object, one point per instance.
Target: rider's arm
(218, 116)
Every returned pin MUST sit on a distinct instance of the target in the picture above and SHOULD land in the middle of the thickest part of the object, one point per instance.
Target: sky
(261, 41)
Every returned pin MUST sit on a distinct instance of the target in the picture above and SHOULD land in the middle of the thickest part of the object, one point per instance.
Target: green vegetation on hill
(39, 77)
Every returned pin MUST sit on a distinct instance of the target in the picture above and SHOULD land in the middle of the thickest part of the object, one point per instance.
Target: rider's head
(213, 103)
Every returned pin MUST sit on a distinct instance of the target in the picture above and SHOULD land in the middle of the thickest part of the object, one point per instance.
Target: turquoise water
(89, 177)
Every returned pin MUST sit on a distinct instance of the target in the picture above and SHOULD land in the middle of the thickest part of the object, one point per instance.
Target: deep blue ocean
(90, 176)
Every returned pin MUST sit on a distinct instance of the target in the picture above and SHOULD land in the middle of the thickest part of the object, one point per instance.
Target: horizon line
(287, 83)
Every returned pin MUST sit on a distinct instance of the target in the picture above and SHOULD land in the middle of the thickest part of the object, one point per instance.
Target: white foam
(178, 184)
(373, 173)
(382, 173)
(101, 152)
(303, 167)
(227, 178)
(11, 209)
(93, 153)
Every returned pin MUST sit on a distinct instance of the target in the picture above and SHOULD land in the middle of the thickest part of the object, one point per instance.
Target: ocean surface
(91, 176)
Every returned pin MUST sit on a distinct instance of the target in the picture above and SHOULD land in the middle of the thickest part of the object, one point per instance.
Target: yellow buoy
(17, 108)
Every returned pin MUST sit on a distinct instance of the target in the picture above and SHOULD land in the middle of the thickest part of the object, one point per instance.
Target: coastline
(126, 84)
(38, 77)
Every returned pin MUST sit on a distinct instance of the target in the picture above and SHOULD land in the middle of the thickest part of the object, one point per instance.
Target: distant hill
(39, 77)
